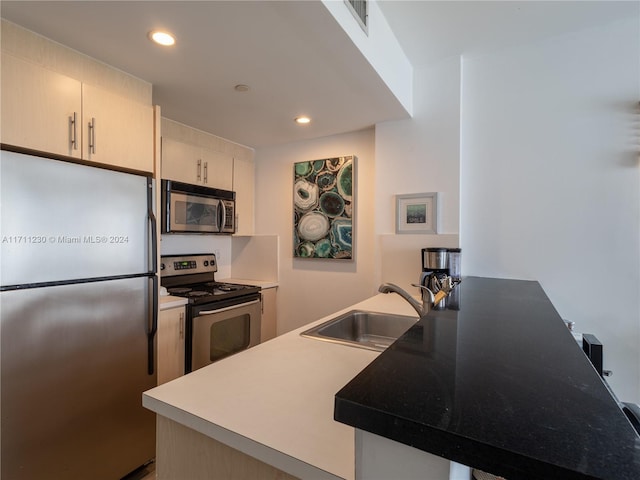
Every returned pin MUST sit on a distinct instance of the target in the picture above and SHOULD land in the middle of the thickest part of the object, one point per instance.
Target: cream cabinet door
(218, 169)
(170, 340)
(196, 165)
(244, 185)
(38, 108)
(181, 162)
(116, 131)
(269, 322)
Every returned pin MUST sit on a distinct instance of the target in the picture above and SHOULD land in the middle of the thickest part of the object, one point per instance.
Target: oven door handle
(220, 310)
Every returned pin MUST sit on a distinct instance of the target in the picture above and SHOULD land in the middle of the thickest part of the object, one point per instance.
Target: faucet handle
(425, 292)
(433, 299)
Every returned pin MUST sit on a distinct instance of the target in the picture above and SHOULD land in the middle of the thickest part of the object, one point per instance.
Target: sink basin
(362, 329)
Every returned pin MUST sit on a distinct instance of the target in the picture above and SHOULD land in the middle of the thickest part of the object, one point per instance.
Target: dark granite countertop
(499, 384)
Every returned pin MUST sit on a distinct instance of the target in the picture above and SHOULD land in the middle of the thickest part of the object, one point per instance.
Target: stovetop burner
(192, 277)
(178, 291)
(197, 293)
(225, 287)
(209, 292)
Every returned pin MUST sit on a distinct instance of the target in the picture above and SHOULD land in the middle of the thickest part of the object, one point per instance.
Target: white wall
(312, 288)
(173, 244)
(379, 46)
(550, 181)
(536, 157)
(410, 156)
(420, 155)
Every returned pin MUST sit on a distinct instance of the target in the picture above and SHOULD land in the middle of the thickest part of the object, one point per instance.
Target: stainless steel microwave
(196, 209)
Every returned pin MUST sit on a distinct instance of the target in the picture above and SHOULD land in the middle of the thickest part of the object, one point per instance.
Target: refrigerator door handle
(153, 323)
(153, 224)
(153, 328)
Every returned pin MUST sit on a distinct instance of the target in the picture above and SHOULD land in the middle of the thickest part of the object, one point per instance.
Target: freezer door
(74, 366)
(63, 221)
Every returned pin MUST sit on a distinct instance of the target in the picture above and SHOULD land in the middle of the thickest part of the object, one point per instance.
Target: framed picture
(323, 208)
(417, 213)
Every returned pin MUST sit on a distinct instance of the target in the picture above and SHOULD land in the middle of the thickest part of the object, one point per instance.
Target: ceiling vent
(359, 10)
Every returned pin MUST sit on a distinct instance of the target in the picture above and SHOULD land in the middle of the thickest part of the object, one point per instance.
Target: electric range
(221, 318)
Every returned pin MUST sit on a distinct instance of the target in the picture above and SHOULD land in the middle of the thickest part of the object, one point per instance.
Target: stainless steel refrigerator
(78, 319)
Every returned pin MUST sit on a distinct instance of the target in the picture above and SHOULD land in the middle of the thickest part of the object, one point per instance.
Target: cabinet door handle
(181, 326)
(73, 132)
(92, 136)
(199, 169)
(206, 170)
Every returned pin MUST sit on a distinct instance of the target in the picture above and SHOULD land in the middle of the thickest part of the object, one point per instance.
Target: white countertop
(245, 281)
(275, 401)
(167, 301)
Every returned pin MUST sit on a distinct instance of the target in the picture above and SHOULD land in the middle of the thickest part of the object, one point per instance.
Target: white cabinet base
(170, 344)
(184, 453)
(269, 323)
(378, 458)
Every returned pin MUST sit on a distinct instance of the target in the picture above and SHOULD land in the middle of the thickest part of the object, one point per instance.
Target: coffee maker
(439, 263)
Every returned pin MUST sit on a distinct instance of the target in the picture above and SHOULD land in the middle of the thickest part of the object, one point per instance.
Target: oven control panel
(188, 264)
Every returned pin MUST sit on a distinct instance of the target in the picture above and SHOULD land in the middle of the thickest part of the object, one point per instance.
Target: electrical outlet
(217, 254)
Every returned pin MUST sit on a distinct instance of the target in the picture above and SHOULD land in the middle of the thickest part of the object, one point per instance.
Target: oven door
(191, 214)
(217, 333)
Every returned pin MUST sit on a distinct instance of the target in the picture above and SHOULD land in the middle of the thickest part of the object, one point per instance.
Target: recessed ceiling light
(241, 88)
(162, 38)
(303, 120)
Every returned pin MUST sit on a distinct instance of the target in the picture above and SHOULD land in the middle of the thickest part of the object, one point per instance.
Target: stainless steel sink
(362, 329)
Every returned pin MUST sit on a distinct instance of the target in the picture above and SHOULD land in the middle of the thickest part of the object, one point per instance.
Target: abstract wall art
(323, 208)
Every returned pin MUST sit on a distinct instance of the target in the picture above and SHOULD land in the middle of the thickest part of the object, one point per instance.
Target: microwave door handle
(221, 217)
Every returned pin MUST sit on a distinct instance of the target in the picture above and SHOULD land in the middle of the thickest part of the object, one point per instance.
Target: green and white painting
(323, 208)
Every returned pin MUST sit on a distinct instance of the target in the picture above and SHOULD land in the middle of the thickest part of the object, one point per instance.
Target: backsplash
(187, 244)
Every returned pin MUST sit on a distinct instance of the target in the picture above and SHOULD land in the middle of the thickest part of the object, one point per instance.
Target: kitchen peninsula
(499, 384)
(273, 402)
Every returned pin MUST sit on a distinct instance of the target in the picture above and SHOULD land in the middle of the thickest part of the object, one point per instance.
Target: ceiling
(432, 30)
(293, 55)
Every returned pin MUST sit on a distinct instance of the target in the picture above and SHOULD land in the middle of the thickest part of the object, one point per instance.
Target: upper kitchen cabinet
(47, 111)
(39, 108)
(196, 165)
(193, 156)
(116, 131)
(244, 186)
